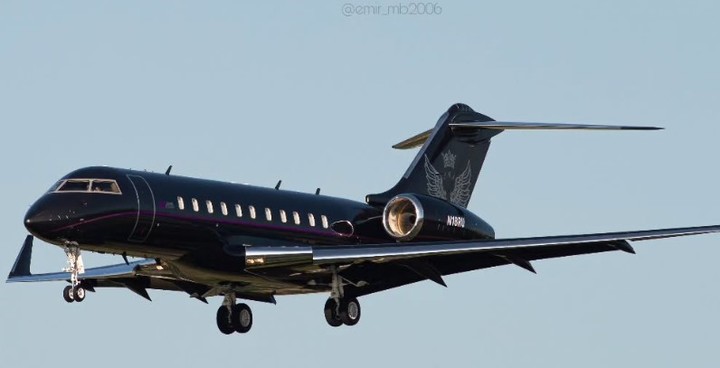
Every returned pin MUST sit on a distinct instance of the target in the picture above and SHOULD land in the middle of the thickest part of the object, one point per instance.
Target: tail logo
(460, 194)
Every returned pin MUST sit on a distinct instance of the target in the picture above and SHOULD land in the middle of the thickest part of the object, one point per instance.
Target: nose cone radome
(42, 217)
(37, 220)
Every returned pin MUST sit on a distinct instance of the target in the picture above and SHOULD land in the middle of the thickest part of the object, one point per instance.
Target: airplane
(210, 238)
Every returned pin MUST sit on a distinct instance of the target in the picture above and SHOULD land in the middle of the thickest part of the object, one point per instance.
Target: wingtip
(21, 267)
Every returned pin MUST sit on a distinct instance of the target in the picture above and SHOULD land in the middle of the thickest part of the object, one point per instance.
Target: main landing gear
(74, 292)
(344, 311)
(234, 317)
(340, 308)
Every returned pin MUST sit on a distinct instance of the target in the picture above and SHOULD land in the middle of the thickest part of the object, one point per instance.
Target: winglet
(22, 263)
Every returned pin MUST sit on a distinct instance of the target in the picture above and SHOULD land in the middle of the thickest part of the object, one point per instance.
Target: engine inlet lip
(419, 216)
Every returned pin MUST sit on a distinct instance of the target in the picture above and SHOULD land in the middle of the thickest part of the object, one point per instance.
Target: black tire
(241, 318)
(223, 321)
(331, 315)
(350, 311)
(68, 294)
(78, 294)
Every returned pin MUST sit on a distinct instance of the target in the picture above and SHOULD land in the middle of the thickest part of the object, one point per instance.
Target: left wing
(385, 266)
(533, 248)
(378, 266)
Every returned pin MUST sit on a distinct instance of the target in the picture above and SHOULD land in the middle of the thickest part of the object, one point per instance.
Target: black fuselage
(157, 214)
(191, 221)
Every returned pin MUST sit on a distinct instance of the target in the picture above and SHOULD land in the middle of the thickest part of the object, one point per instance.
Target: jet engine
(418, 217)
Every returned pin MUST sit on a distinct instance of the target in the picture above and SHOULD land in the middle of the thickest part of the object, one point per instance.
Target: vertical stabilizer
(449, 161)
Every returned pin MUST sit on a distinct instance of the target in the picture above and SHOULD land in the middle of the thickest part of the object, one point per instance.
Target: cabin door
(145, 209)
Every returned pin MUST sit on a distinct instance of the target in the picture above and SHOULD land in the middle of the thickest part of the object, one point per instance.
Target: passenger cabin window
(238, 210)
(89, 185)
(181, 203)
(283, 216)
(223, 208)
(311, 219)
(209, 206)
(196, 206)
(324, 221)
(296, 218)
(268, 214)
(252, 211)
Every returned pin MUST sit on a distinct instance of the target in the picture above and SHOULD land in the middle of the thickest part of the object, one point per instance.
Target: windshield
(89, 185)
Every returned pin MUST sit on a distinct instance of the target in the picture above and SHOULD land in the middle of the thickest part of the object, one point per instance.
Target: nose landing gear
(74, 292)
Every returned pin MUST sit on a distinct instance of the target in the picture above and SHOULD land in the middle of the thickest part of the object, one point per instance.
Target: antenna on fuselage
(277, 186)
(317, 191)
(167, 172)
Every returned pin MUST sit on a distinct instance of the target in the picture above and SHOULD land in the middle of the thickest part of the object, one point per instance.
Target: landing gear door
(145, 209)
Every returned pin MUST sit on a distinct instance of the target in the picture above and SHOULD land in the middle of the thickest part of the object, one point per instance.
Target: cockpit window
(55, 186)
(89, 185)
(74, 185)
(108, 186)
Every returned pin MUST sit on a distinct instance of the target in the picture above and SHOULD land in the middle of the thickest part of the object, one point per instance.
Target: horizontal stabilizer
(414, 141)
(507, 125)
(420, 139)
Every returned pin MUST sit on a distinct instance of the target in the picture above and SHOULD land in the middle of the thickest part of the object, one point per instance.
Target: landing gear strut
(340, 308)
(74, 292)
(234, 317)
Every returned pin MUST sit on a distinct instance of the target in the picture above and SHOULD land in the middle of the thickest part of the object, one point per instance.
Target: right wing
(137, 276)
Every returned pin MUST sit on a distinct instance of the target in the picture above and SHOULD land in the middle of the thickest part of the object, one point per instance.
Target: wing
(137, 276)
(435, 186)
(384, 266)
(461, 193)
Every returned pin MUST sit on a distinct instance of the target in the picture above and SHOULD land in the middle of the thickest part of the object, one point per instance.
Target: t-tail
(453, 153)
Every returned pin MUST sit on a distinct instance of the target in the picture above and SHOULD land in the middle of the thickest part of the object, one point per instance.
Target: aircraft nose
(39, 218)
(35, 220)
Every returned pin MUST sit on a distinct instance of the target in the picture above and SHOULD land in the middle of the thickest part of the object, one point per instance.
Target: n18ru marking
(456, 221)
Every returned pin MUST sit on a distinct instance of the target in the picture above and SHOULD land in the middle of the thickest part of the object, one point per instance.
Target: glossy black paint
(146, 221)
(194, 240)
(207, 246)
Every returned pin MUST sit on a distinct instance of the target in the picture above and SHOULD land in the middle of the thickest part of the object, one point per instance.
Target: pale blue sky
(282, 90)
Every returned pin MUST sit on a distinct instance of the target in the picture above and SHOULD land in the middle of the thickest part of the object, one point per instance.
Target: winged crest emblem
(460, 194)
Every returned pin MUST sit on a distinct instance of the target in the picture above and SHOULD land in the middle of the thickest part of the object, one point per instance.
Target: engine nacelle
(418, 217)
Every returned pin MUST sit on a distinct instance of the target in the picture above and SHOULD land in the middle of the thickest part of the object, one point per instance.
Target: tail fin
(449, 161)
(453, 153)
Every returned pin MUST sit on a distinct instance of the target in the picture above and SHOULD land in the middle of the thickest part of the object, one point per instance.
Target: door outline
(142, 229)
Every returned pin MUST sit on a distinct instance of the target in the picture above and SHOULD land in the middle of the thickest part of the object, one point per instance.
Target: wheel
(223, 320)
(78, 294)
(350, 311)
(331, 315)
(241, 318)
(68, 294)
